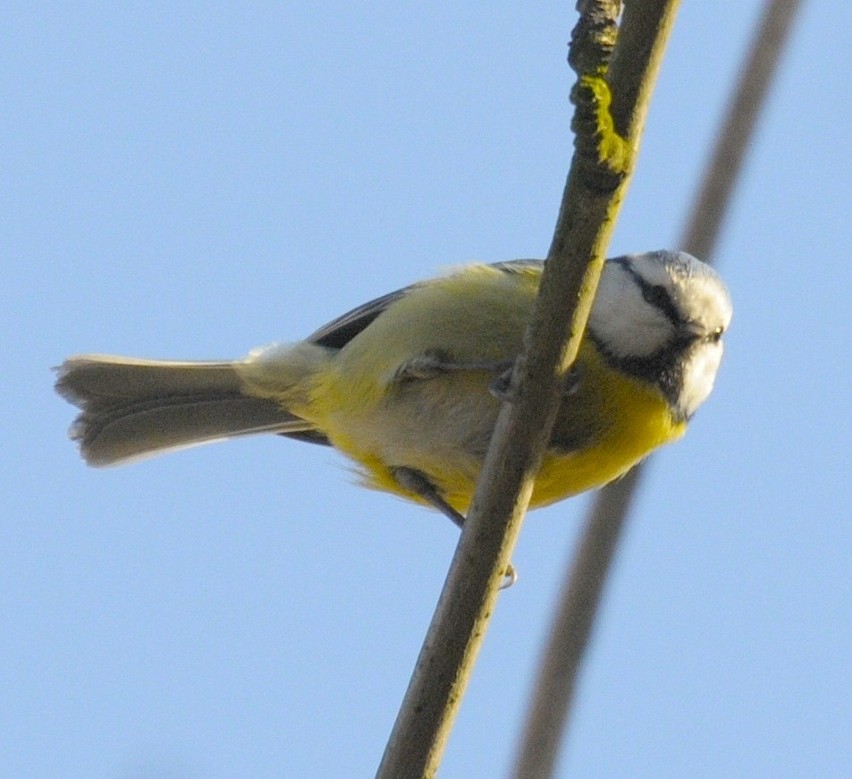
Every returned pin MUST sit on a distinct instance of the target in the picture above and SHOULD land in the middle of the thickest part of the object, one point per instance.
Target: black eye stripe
(659, 297)
(654, 294)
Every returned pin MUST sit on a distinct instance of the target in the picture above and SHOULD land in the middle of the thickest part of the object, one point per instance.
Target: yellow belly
(622, 419)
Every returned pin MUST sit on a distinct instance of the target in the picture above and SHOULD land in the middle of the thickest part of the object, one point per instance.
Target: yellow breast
(632, 419)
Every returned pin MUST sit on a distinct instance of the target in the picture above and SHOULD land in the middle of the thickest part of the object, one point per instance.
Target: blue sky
(192, 180)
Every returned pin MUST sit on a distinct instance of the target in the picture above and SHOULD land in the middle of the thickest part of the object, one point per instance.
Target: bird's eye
(716, 336)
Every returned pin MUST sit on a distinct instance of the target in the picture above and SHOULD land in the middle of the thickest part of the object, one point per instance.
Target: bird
(409, 385)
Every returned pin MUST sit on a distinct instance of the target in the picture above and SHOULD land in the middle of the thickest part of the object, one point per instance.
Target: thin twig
(557, 676)
(596, 183)
(714, 194)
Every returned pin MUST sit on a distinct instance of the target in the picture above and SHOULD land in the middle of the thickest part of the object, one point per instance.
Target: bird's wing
(337, 333)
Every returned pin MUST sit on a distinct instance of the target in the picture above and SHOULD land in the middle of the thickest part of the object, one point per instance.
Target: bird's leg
(501, 388)
(416, 481)
(435, 362)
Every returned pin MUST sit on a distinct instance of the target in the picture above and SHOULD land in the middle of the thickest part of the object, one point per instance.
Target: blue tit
(405, 385)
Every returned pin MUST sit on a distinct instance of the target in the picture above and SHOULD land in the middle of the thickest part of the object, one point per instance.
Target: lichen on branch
(604, 155)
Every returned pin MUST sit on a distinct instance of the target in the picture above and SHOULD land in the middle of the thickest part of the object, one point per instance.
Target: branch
(572, 623)
(605, 149)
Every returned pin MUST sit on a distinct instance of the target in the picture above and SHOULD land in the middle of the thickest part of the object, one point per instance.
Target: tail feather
(132, 409)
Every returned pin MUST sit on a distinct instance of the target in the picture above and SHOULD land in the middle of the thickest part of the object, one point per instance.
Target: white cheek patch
(699, 374)
(623, 321)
